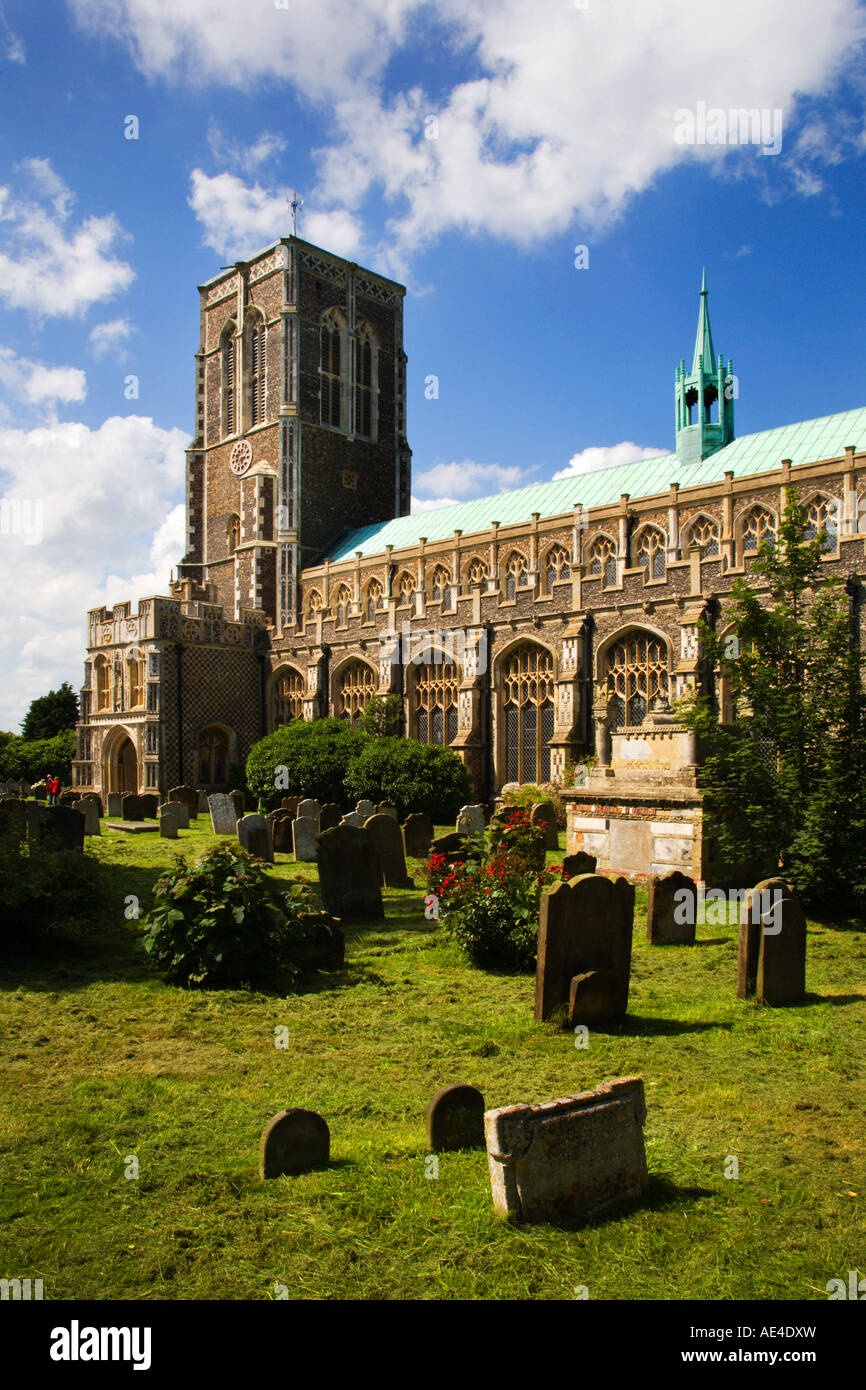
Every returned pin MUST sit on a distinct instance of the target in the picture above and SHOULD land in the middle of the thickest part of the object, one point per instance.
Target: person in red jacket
(52, 786)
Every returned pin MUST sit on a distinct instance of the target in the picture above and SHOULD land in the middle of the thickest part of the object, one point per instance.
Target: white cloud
(240, 158)
(25, 380)
(429, 504)
(107, 338)
(607, 456)
(13, 46)
(468, 479)
(48, 264)
(565, 116)
(239, 218)
(111, 526)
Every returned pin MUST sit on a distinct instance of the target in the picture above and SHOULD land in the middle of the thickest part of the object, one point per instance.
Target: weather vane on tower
(294, 205)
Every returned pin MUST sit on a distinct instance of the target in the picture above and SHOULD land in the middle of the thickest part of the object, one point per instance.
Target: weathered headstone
(223, 815)
(757, 901)
(39, 791)
(202, 802)
(573, 865)
(353, 818)
(67, 798)
(37, 814)
(330, 815)
(455, 1119)
(238, 802)
(63, 828)
(90, 810)
(180, 810)
(387, 842)
(772, 947)
(569, 1160)
(672, 910)
(13, 819)
(417, 834)
(190, 799)
(543, 813)
(349, 875)
(386, 809)
(168, 823)
(291, 803)
(470, 821)
(308, 809)
(295, 1141)
(584, 950)
(150, 803)
(115, 804)
(365, 808)
(454, 847)
(305, 839)
(281, 831)
(260, 843)
(133, 806)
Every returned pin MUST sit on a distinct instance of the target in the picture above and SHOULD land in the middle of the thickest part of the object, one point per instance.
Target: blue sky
(557, 124)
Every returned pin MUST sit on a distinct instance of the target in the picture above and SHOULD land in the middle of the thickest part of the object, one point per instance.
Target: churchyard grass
(102, 1061)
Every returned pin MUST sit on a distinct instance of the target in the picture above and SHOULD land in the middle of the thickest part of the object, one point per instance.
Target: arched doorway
(120, 763)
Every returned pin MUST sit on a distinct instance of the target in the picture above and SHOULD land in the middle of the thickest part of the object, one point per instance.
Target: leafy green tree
(304, 758)
(34, 760)
(412, 776)
(789, 777)
(50, 714)
(383, 716)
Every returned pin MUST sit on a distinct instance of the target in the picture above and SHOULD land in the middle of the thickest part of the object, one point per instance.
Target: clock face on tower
(241, 457)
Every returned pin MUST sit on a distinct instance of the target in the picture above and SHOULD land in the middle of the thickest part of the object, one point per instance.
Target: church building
(542, 633)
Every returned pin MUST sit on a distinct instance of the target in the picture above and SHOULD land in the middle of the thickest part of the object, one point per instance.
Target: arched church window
(343, 600)
(314, 605)
(103, 684)
(365, 352)
(476, 573)
(637, 674)
(602, 559)
(228, 359)
(705, 533)
(440, 586)
(287, 697)
(434, 701)
(822, 514)
(233, 527)
(355, 688)
(527, 713)
(556, 566)
(257, 367)
(516, 576)
(330, 369)
(650, 553)
(135, 681)
(759, 526)
(375, 599)
(405, 589)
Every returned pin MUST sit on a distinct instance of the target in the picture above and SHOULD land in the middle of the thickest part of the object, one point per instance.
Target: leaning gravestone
(365, 808)
(305, 839)
(223, 816)
(417, 834)
(543, 813)
(455, 1120)
(349, 875)
(168, 821)
(584, 950)
(13, 819)
(188, 796)
(386, 809)
(330, 815)
(309, 809)
(295, 1141)
(63, 828)
(281, 831)
(470, 821)
(571, 1159)
(353, 818)
(90, 811)
(756, 903)
(573, 865)
(671, 910)
(387, 842)
(115, 804)
(133, 806)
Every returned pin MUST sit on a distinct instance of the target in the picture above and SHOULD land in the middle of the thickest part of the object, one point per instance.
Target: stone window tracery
(476, 573)
(602, 560)
(405, 589)
(434, 701)
(822, 514)
(228, 361)
(331, 369)
(556, 566)
(356, 687)
(637, 674)
(705, 533)
(650, 553)
(516, 576)
(375, 599)
(343, 600)
(527, 713)
(759, 526)
(440, 585)
(365, 374)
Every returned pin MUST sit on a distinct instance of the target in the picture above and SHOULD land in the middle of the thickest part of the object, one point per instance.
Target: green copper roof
(704, 338)
(810, 441)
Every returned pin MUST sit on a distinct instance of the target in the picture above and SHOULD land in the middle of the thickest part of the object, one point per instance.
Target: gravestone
(202, 802)
(238, 802)
(295, 1141)
(150, 803)
(543, 813)
(756, 902)
(584, 950)
(23, 790)
(13, 819)
(168, 822)
(291, 803)
(470, 821)
(132, 806)
(180, 810)
(349, 875)
(365, 808)
(39, 791)
(417, 834)
(672, 910)
(573, 865)
(387, 842)
(63, 828)
(569, 1160)
(309, 809)
(386, 809)
(223, 815)
(260, 843)
(115, 804)
(771, 958)
(67, 798)
(96, 799)
(90, 811)
(281, 831)
(353, 818)
(455, 1120)
(330, 815)
(305, 839)
(37, 814)
(190, 799)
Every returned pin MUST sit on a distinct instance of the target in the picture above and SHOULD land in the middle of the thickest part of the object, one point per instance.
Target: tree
(412, 776)
(383, 716)
(51, 714)
(788, 776)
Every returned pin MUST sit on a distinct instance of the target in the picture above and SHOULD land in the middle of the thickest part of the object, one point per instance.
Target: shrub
(527, 797)
(45, 892)
(316, 755)
(33, 760)
(412, 776)
(492, 911)
(225, 922)
(513, 836)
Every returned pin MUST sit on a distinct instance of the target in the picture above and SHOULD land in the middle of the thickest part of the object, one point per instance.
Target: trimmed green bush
(304, 758)
(411, 776)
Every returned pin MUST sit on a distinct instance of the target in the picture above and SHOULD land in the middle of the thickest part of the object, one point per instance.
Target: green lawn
(100, 1060)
